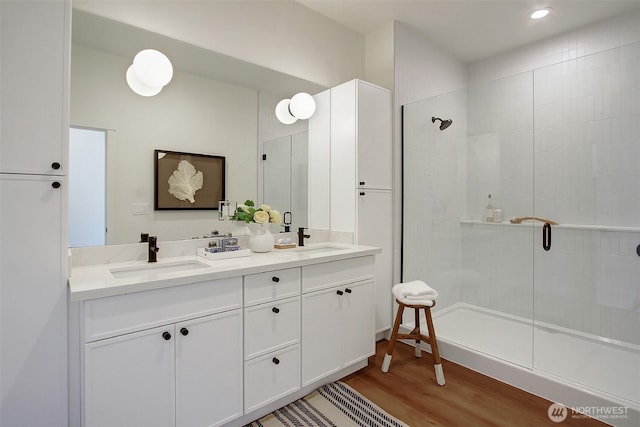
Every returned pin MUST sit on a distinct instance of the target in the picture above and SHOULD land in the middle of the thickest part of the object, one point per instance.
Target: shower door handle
(546, 236)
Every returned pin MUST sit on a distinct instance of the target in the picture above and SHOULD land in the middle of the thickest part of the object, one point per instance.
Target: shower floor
(590, 362)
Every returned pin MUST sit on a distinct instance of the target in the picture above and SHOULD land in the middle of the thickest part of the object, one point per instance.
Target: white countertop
(96, 281)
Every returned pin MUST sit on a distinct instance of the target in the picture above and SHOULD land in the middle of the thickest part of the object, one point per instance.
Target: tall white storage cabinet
(353, 124)
(34, 71)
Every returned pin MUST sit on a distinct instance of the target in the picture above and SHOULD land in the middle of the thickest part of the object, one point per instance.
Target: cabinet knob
(275, 279)
(56, 184)
(362, 193)
(166, 336)
(362, 183)
(184, 331)
(339, 292)
(55, 165)
(276, 310)
(348, 290)
(276, 360)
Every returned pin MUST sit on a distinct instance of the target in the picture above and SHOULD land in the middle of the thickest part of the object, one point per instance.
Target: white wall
(379, 57)
(191, 114)
(280, 35)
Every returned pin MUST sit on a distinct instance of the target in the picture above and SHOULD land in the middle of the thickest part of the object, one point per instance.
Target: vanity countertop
(97, 281)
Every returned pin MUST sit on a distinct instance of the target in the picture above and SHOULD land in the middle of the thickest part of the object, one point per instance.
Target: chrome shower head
(443, 123)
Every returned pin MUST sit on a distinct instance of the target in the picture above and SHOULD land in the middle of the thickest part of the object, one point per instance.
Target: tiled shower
(560, 143)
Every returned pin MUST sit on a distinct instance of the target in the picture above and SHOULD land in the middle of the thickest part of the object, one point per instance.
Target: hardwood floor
(409, 392)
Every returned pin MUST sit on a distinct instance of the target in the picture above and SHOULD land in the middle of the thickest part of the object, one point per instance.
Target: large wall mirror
(215, 105)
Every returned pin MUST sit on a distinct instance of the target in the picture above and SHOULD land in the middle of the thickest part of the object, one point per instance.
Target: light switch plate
(140, 208)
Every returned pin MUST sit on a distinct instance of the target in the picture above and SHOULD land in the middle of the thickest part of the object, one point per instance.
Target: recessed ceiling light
(540, 13)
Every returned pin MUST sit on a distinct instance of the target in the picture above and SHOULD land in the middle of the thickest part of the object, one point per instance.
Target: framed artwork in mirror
(188, 181)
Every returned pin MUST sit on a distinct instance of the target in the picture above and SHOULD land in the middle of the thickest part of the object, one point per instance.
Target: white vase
(261, 239)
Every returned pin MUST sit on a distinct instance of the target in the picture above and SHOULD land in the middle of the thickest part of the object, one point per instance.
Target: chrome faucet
(302, 236)
(153, 248)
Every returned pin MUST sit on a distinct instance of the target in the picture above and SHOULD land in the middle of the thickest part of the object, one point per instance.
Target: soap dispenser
(488, 212)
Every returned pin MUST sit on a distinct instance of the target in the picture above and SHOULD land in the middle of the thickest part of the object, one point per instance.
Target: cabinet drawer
(264, 287)
(336, 273)
(270, 377)
(270, 326)
(106, 317)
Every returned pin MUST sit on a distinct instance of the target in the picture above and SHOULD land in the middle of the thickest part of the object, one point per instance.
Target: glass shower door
(587, 178)
(482, 270)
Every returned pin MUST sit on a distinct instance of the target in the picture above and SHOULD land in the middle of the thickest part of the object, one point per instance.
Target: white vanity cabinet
(338, 305)
(271, 336)
(215, 346)
(167, 357)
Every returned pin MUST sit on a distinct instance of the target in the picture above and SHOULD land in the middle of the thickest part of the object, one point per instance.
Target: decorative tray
(223, 255)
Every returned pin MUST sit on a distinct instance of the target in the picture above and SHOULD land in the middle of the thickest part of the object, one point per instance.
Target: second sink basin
(144, 270)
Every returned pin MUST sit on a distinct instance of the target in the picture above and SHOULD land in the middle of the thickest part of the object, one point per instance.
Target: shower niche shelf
(564, 226)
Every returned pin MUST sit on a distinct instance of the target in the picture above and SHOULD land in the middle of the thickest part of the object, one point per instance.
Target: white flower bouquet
(261, 215)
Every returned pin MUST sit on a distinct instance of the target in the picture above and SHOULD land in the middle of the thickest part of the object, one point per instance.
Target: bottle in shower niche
(497, 214)
(488, 212)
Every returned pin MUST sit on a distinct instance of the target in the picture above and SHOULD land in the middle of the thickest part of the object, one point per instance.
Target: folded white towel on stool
(415, 292)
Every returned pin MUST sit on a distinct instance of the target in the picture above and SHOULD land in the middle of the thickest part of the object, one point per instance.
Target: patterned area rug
(332, 405)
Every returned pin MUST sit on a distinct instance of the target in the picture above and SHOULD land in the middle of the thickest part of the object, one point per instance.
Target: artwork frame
(198, 184)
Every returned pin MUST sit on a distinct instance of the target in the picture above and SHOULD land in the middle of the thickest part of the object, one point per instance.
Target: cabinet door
(321, 334)
(129, 380)
(209, 370)
(34, 76)
(33, 302)
(374, 153)
(271, 377)
(375, 229)
(358, 335)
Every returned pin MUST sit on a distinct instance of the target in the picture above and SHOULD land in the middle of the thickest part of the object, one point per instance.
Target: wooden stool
(417, 336)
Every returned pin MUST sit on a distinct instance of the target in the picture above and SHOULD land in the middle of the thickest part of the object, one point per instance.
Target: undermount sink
(144, 270)
(322, 248)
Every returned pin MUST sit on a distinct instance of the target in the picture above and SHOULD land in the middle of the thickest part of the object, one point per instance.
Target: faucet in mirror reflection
(153, 248)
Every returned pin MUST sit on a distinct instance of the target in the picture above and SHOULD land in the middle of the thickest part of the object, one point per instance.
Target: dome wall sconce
(150, 72)
(300, 106)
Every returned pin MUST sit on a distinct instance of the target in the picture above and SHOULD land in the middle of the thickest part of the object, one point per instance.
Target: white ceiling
(472, 30)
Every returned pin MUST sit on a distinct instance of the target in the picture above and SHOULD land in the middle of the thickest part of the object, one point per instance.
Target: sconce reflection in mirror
(300, 106)
(150, 72)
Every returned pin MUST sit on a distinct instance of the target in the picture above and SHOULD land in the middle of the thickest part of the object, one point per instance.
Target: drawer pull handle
(184, 331)
(276, 360)
(362, 193)
(339, 292)
(348, 290)
(362, 182)
(166, 336)
(55, 184)
(275, 279)
(276, 310)
(55, 165)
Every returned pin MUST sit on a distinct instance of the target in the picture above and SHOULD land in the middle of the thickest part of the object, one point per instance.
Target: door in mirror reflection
(87, 187)
(285, 176)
